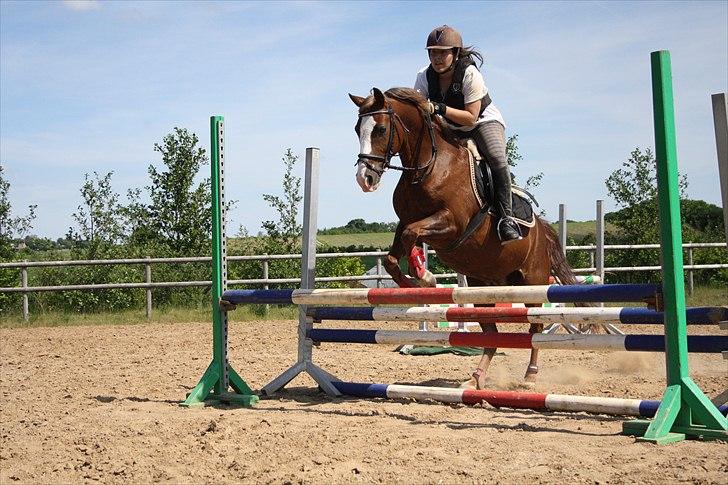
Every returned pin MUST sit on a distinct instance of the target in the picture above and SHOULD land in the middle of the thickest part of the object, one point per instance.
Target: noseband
(388, 153)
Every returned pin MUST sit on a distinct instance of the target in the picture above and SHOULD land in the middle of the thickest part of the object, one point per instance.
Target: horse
(434, 203)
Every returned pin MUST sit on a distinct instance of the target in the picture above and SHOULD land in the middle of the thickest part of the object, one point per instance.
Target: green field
(383, 240)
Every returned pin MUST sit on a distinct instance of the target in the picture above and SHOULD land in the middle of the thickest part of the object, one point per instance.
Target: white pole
(599, 256)
(562, 227)
(720, 122)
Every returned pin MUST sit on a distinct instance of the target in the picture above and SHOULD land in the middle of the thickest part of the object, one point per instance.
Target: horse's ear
(358, 100)
(378, 98)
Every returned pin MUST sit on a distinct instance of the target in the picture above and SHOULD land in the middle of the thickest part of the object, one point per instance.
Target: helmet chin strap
(452, 65)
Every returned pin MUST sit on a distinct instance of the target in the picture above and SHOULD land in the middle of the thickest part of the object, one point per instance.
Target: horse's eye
(380, 130)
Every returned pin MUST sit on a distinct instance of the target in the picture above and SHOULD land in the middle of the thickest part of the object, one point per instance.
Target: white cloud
(82, 5)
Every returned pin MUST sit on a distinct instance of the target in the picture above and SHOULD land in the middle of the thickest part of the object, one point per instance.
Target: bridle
(389, 153)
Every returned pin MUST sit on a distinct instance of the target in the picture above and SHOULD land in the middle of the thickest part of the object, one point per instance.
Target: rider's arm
(473, 91)
(464, 117)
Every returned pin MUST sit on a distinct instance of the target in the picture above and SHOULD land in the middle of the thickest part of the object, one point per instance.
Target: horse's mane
(413, 97)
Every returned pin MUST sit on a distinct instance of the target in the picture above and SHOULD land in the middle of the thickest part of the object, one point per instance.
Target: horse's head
(375, 129)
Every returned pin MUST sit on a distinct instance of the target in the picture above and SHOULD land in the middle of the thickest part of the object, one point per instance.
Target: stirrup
(510, 223)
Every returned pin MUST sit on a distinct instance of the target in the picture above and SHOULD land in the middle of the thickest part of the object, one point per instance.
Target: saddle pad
(522, 210)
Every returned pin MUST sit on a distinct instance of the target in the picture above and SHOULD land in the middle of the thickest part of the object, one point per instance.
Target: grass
(244, 313)
(708, 296)
(383, 240)
(578, 230)
(703, 296)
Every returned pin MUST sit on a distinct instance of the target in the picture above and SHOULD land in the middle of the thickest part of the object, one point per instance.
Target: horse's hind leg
(532, 368)
(518, 278)
(477, 380)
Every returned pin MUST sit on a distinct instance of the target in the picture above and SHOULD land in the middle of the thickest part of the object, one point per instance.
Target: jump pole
(220, 376)
(685, 412)
(508, 399)
(632, 343)
(543, 315)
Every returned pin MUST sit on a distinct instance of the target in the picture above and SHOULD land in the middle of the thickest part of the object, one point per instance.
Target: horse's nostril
(370, 180)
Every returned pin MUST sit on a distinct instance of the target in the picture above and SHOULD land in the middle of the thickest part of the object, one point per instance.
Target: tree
(634, 188)
(11, 227)
(178, 214)
(284, 234)
(98, 217)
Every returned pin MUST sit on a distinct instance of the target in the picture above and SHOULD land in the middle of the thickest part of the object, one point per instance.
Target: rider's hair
(473, 54)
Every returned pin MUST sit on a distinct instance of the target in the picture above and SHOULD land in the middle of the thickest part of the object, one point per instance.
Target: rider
(468, 109)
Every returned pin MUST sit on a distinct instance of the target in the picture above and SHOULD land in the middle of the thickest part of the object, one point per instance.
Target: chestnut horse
(434, 202)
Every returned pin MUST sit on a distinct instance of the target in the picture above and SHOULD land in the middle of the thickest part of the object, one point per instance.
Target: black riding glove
(438, 108)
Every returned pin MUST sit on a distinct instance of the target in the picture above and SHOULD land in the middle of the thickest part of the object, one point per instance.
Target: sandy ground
(85, 404)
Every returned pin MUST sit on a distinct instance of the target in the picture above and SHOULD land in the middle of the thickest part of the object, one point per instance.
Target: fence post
(599, 256)
(266, 309)
(379, 272)
(562, 227)
(690, 271)
(148, 279)
(24, 284)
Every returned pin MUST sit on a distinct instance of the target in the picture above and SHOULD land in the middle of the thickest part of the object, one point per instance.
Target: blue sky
(91, 86)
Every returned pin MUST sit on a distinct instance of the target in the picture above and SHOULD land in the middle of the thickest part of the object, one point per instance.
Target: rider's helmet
(444, 37)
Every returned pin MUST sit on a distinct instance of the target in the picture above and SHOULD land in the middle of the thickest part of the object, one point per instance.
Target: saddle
(481, 182)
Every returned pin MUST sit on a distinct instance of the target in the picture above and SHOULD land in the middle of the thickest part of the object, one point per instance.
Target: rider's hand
(437, 108)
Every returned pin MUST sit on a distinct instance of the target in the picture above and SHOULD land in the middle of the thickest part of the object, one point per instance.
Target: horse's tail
(560, 268)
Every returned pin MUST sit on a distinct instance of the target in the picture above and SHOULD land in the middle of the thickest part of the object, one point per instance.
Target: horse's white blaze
(368, 180)
(365, 135)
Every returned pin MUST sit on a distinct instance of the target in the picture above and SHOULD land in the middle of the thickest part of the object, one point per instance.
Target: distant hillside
(383, 240)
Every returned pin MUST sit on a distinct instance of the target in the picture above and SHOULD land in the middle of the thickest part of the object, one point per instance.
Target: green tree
(178, 215)
(99, 223)
(633, 187)
(11, 226)
(284, 235)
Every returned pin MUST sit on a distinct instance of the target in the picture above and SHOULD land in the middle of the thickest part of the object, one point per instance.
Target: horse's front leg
(438, 226)
(391, 261)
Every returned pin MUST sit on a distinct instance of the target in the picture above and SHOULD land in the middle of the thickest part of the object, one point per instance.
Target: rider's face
(441, 59)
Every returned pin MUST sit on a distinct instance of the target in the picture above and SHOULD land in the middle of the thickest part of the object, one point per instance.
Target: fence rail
(378, 277)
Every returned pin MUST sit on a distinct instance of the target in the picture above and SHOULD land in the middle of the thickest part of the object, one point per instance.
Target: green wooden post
(219, 376)
(685, 411)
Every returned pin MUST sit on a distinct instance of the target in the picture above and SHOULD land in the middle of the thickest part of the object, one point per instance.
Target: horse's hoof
(531, 374)
(427, 280)
(471, 384)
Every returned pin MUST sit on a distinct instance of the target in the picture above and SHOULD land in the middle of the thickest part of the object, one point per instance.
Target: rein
(388, 153)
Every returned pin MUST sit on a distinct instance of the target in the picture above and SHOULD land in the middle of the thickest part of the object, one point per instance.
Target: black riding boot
(508, 230)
